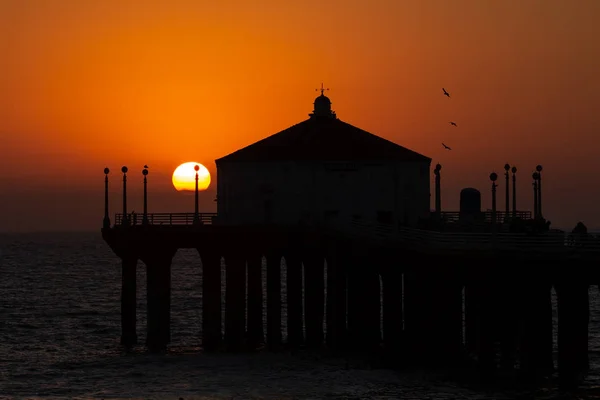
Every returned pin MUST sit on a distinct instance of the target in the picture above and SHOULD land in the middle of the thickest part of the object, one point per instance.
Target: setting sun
(184, 177)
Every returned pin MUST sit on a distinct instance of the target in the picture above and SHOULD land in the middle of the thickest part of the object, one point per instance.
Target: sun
(184, 177)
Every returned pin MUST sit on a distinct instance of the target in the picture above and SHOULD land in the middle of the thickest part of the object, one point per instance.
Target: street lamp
(145, 217)
(507, 176)
(106, 223)
(493, 178)
(196, 215)
(539, 188)
(514, 184)
(124, 220)
(536, 177)
(438, 190)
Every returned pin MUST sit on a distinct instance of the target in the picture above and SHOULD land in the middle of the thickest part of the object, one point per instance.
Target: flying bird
(446, 147)
(453, 123)
(446, 93)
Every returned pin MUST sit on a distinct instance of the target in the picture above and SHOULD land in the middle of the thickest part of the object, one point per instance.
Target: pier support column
(482, 306)
(211, 298)
(336, 296)
(393, 316)
(255, 329)
(235, 300)
(364, 304)
(433, 310)
(471, 316)
(128, 301)
(294, 298)
(573, 320)
(158, 274)
(536, 339)
(274, 300)
(314, 297)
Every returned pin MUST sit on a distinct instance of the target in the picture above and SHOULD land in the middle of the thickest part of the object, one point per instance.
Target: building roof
(323, 137)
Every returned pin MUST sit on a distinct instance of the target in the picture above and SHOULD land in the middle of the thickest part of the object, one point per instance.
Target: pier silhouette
(501, 265)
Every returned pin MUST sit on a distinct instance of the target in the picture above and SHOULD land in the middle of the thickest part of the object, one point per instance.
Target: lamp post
(145, 217)
(539, 188)
(535, 177)
(493, 178)
(438, 190)
(106, 223)
(124, 220)
(514, 187)
(507, 197)
(196, 215)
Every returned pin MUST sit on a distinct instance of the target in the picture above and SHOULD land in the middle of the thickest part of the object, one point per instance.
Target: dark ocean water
(60, 327)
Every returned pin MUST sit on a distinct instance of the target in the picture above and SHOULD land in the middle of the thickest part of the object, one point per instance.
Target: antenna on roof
(322, 89)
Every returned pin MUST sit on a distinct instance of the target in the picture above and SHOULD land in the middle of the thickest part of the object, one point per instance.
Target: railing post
(170, 219)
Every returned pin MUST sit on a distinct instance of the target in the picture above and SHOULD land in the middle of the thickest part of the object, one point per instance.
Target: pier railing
(416, 238)
(452, 216)
(419, 238)
(166, 219)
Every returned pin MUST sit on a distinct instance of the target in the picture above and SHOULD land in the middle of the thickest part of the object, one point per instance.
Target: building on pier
(323, 169)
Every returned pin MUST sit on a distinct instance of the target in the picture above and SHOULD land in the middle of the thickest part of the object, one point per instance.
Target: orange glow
(93, 83)
(184, 177)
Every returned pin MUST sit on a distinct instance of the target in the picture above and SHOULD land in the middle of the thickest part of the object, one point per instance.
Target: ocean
(60, 331)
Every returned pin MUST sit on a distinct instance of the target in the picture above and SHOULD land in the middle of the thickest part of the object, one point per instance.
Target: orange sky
(86, 84)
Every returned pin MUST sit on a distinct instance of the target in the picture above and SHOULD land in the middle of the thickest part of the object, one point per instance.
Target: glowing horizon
(184, 177)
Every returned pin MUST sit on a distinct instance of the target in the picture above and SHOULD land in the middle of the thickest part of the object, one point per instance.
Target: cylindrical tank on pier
(470, 204)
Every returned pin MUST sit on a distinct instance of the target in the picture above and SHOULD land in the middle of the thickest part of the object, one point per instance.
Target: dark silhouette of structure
(502, 265)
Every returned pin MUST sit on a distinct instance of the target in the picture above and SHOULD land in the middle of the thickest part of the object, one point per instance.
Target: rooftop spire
(322, 105)
(322, 89)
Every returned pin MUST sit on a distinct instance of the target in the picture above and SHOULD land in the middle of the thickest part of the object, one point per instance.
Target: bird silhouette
(446, 93)
(453, 123)
(446, 147)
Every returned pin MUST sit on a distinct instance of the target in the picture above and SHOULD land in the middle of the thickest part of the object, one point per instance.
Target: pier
(423, 277)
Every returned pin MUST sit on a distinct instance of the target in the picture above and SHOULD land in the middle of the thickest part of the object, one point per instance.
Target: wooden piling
(314, 297)
(364, 304)
(273, 300)
(255, 334)
(211, 299)
(393, 316)
(415, 315)
(536, 338)
(158, 274)
(573, 320)
(336, 297)
(128, 301)
(294, 298)
(235, 300)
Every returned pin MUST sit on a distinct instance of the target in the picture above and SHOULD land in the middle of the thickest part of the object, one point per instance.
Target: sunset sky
(86, 84)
